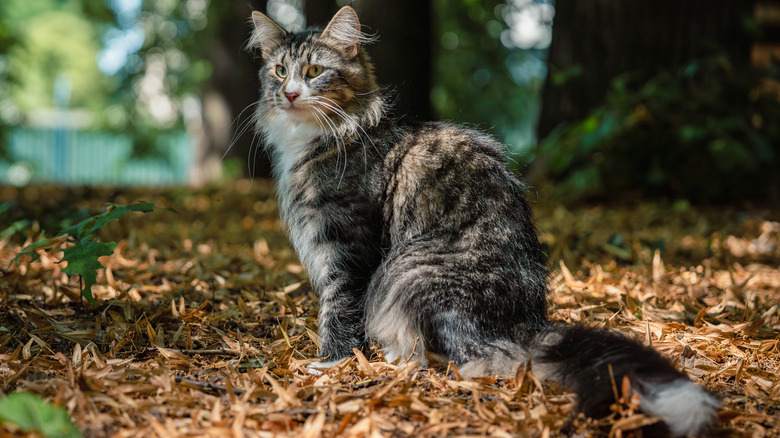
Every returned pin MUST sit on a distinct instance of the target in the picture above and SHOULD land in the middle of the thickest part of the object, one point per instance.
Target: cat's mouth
(298, 109)
(318, 109)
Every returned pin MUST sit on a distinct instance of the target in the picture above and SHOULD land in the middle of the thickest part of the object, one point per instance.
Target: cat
(418, 237)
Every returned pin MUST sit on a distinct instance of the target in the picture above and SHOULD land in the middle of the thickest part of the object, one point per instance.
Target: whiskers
(367, 93)
(243, 126)
(351, 125)
(328, 125)
(333, 123)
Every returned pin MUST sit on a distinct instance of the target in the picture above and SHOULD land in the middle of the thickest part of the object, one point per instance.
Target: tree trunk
(233, 86)
(596, 40)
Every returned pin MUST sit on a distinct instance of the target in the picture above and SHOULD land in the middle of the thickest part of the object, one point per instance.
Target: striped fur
(417, 237)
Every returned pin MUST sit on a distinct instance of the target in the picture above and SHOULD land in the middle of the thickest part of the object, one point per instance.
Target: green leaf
(83, 260)
(88, 226)
(30, 412)
(7, 206)
(15, 228)
(83, 257)
(31, 249)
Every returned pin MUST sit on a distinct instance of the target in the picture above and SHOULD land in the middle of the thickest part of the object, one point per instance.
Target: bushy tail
(581, 358)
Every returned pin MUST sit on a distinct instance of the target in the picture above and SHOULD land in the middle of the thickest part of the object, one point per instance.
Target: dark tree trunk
(596, 40)
(231, 89)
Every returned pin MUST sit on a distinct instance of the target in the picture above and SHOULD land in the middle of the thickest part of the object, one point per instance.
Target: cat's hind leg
(417, 310)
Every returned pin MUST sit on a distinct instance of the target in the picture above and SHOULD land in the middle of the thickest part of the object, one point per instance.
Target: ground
(205, 321)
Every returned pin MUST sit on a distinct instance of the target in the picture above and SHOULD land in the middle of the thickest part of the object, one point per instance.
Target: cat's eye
(281, 71)
(314, 71)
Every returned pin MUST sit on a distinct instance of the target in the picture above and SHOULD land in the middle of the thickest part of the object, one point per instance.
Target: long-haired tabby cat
(418, 238)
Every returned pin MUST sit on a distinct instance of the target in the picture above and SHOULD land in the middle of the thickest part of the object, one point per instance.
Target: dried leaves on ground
(205, 322)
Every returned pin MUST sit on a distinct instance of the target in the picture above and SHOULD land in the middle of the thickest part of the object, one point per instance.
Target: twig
(209, 386)
(614, 385)
(211, 351)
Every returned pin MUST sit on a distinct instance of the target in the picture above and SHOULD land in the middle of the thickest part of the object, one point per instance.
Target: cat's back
(443, 154)
(434, 144)
(457, 221)
(442, 175)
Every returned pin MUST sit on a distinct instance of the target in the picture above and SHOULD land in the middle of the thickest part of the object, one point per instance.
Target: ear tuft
(343, 32)
(267, 35)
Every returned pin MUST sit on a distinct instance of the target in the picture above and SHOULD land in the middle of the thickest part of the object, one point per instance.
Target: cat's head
(315, 75)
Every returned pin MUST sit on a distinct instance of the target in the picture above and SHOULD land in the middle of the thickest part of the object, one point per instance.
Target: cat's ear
(343, 32)
(267, 35)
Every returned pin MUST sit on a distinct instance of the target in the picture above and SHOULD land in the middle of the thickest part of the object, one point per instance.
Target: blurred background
(597, 99)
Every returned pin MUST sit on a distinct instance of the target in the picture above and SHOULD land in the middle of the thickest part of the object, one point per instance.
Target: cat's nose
(291, 96)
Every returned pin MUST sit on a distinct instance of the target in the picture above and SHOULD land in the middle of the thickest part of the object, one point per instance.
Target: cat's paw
(316, 368)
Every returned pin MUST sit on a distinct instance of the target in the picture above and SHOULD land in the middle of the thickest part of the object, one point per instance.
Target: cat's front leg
(317, 368)
(341, 323)
(336, 242)
(334, 275)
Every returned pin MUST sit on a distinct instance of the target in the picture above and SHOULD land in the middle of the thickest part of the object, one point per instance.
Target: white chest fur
(290, 140)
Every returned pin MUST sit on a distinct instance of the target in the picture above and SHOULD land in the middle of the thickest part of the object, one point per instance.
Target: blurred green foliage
(41, 41)
(44, 39)
(31, 413)
(703, 132)
(159, 81)
(478, 80)
(7, 40)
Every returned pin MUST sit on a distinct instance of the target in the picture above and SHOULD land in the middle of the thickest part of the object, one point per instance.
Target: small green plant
(83, 256)
(30, 412)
